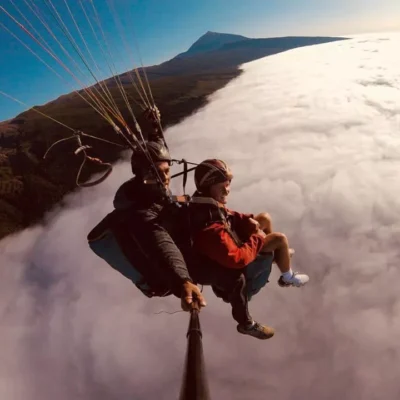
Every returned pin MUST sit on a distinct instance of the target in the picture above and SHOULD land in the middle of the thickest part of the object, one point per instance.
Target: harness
(204, 211)
(121, 249)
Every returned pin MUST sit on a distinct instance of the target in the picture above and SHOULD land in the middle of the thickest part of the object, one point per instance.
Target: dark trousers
(228, 284)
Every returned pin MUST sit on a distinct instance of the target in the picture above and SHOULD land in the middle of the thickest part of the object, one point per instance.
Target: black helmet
(158, 153)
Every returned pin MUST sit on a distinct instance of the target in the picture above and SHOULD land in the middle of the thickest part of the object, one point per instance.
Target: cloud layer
(312, 138)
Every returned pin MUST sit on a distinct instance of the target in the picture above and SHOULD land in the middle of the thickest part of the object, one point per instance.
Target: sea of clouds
(312, 137)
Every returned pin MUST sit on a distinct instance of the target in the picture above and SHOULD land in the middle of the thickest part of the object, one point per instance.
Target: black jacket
(140, 212)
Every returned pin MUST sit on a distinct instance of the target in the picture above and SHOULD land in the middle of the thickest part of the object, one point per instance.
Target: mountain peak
(212, 41)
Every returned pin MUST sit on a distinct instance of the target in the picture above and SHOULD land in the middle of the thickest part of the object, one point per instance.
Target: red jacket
(215, 242)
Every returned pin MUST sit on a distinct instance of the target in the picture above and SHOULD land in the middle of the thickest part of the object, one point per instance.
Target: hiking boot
(295, 280)
(256, 330)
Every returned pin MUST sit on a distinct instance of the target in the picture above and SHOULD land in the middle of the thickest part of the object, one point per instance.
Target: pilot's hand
(190, 296)
(152, 114)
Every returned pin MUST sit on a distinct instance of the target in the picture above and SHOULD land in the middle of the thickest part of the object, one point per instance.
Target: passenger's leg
(230, 285)
(257, 274)
(265, 221)
(278, 243)
(246, 325)
(233, 288)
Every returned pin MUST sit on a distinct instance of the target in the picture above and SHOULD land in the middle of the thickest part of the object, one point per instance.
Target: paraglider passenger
(236, 246)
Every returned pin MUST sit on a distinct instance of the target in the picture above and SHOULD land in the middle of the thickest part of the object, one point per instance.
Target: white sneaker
(295, 280)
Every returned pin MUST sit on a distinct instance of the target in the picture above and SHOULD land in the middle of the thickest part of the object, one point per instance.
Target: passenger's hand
(191, 295)
(254, 225)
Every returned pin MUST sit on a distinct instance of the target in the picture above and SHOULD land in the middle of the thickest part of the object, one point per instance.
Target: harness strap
(82, 149)
(185, 198)
(219, 207)
(206, 200)
(185, 174)
(95, 161)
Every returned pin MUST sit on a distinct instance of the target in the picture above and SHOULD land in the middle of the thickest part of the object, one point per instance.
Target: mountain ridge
(30, 186)
(227, 50)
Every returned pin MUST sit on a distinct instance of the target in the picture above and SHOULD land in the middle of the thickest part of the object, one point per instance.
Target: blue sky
(161, 29)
